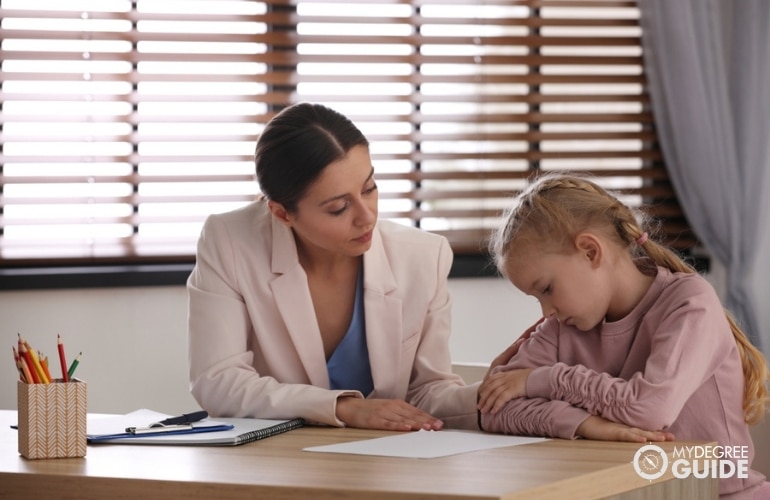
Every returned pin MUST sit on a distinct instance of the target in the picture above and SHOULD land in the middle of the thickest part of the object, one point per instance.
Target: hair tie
(641, 240)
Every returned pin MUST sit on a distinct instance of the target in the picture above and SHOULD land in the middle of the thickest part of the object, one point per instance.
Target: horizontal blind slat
(460, 109)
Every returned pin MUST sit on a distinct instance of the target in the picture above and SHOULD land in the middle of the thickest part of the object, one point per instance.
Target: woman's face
(339, 211)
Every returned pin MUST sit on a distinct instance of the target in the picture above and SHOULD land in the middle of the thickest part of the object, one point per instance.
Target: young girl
(632, 333)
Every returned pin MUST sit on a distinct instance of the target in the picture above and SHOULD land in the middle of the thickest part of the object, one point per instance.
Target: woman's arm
(504, 357)
(433, 386)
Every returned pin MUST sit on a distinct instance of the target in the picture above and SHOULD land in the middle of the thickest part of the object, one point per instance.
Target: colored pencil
(36, 363)
(44, 363)
(62, 360)
(74, 365)
(24, 374)
(24, 352)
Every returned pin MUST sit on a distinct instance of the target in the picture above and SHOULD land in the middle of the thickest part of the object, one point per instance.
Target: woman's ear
(279, 212)
(590, 246)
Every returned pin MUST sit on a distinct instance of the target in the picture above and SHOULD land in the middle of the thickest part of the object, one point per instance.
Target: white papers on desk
(427, 444)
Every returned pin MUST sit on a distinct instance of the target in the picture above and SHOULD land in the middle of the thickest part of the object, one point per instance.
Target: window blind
(125, 123)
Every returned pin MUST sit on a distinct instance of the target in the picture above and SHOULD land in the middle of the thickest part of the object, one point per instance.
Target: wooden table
(277, 467)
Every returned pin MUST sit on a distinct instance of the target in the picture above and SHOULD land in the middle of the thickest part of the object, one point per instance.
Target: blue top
(348, 365)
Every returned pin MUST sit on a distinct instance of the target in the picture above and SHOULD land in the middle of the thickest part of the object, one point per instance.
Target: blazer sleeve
(222, 375)
(434, 388)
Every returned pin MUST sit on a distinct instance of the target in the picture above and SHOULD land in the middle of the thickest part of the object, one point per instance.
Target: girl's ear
(590, 246)
(279, 212)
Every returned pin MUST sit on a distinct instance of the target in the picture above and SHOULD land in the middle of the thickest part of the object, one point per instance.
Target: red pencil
(24, 352)
(24, 374)
(62, 359)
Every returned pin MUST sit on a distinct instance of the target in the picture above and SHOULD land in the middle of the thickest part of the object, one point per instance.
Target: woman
(303, 304)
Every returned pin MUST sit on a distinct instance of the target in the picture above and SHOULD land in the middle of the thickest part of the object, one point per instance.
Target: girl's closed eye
(370, 189)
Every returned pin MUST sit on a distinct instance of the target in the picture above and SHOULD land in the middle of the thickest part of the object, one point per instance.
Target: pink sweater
(671, 364)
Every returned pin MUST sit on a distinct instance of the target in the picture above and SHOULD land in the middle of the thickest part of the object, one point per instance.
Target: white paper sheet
(426, 444)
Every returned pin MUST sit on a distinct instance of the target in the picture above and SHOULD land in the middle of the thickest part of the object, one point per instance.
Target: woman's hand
(599, 428)
(506, 355)
(384, 414)
(497, 389)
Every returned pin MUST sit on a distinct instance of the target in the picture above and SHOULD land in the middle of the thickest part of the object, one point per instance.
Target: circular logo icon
(650, 462)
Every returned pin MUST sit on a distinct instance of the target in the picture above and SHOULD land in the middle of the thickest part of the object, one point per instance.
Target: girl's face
(339, 211)
(569, 286)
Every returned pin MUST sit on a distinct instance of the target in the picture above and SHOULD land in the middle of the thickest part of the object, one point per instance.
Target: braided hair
(556, 207)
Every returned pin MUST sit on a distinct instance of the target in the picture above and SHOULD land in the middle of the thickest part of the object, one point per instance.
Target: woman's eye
(340, 210)
(370, 189)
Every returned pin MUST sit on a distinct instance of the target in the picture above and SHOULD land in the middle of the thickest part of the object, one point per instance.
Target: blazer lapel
(292, 297)
(383, 317)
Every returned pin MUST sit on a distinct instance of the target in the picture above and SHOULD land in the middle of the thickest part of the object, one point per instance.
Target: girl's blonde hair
(556, 207)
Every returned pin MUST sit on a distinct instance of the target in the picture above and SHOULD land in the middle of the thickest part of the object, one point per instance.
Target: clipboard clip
(158, 430)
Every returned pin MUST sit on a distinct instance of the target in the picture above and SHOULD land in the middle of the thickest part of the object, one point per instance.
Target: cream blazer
(254, 345)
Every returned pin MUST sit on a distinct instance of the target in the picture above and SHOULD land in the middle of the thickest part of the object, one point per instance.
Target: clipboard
(220, 432)
(138, 424)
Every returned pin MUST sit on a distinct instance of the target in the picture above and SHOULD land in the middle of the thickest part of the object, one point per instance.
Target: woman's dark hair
(297, 145)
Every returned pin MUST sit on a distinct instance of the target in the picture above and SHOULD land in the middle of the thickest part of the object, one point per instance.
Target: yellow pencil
(36, 363)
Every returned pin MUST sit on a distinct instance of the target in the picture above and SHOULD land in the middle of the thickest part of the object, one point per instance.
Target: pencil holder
(52, 419)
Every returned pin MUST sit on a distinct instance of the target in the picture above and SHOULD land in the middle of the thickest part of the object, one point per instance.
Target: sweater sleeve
(689, 335)
(536, 416)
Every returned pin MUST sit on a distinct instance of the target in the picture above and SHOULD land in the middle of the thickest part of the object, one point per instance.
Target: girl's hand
(506, 355)
(499, 388)
(599, 428)
(384, 414)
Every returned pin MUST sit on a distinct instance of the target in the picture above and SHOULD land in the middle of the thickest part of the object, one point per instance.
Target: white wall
(134, 339)
(133, 343)
(135, 351)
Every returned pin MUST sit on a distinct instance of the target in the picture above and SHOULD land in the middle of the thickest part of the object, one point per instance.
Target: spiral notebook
(219, 432)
